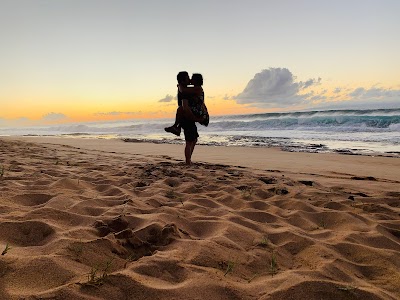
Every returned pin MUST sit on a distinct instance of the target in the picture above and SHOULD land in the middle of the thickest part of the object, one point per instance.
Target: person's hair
(182, 76)
(197, 79)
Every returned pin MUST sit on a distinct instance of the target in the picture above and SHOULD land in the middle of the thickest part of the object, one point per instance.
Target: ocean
(358, 132)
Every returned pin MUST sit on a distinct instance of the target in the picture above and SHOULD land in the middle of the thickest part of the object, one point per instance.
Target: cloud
(357, 92)
(361, 98)
(374, 93)
(49, 118)
(275, 87)
(310, 82)
(355, 104)
(318, 97)
(278, 88)
(117, 113)
(52, 116)
(227, 97)
(167, 98)
(18, 122)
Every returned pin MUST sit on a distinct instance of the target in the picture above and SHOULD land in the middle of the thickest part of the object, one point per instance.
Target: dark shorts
(190, 131)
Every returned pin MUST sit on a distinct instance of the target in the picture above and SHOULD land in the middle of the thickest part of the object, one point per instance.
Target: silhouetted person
(197, 106)
(191, 109)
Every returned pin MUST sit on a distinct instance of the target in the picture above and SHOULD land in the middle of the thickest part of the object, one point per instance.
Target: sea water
(370, 132)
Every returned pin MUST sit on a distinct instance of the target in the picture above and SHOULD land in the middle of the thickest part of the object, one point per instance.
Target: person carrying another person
(191, 109)
(195, 95)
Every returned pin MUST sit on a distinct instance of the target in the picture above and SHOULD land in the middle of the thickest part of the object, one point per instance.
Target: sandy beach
(105, 219)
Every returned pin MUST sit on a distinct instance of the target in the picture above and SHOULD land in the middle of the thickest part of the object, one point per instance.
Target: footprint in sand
(28, 233)
(35, 276)
(321, 290)
(32, 199)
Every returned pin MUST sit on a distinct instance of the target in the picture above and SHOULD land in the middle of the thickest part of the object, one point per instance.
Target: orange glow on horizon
(87, 111)
(85, 108)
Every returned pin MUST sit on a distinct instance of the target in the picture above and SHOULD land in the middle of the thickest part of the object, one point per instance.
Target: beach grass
(97, 275)
(273, 267)
(6, 249)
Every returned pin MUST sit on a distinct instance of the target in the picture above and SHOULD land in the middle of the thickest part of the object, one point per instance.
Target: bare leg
(194, 144)
(189, 151)
(179, 116)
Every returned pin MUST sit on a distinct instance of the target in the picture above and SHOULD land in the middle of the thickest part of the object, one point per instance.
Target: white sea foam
(374, 129)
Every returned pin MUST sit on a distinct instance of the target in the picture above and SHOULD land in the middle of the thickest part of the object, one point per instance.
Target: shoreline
(259, 158)
(288, 144)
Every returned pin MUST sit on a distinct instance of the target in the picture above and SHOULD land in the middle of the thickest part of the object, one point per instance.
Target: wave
(378, 120)
(305, 114)
(340, 119)
(365, 130)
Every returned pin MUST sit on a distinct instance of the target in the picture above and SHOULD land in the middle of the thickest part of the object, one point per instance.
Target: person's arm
(188, 112)
(205, 107)
(196, 90)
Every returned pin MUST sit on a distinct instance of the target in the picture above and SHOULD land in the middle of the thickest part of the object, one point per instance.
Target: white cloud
(278, 88)
(356, 104)
(117, 113)
(52, 116)
(318, 97)
(227, 97)
(17, 122)
(48, 118)
(374, 93)
(275, 87)
(167, 98)
(310, 82)
(361, 98)
(357, 92)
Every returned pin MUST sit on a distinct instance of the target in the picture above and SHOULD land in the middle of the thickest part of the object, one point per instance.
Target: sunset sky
(83, 60)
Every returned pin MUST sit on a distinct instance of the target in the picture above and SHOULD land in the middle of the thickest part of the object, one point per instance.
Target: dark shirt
(182, 96)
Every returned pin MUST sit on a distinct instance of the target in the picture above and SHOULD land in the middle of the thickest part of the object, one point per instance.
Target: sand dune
(87, 223)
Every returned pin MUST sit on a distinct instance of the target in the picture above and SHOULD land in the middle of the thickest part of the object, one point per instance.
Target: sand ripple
(98, 225)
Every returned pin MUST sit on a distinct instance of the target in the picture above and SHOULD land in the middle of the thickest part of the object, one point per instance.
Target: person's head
(183, 77)
(197, 79)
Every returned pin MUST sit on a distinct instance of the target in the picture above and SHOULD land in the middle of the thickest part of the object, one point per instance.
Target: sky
(85, 60)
